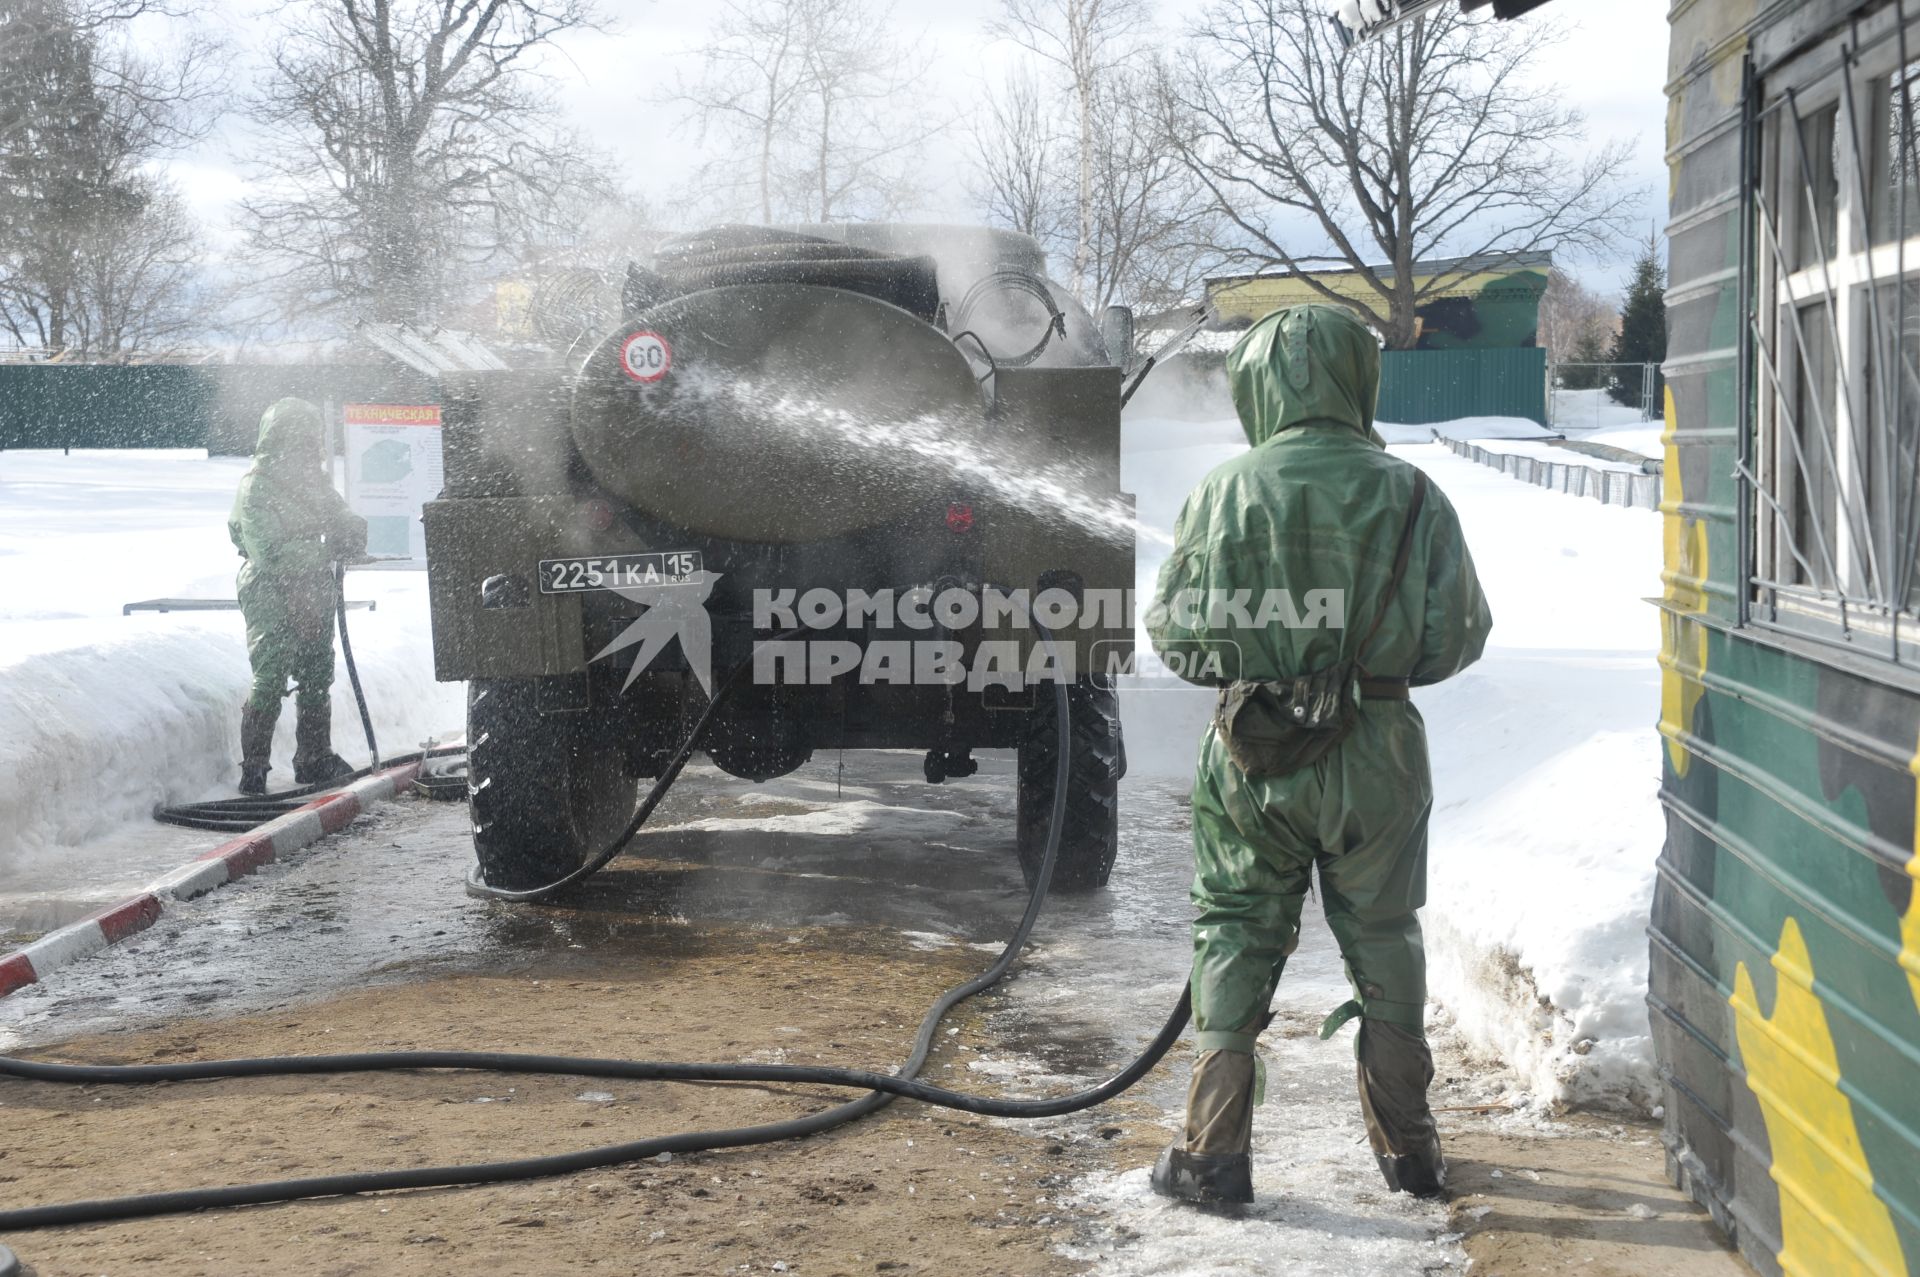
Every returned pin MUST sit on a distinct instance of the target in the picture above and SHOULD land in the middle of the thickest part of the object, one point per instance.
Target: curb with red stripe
(230, 860)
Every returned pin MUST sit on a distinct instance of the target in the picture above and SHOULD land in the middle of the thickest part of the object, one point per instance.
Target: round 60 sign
(646, 356)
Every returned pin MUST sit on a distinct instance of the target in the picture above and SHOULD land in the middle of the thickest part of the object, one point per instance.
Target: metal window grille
(1830, 461)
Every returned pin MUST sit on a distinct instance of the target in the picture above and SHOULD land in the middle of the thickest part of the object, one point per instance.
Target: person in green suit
(291, 527)
(1317, 760)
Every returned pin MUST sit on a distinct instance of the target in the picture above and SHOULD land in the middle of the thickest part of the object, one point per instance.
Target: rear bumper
(492, 620)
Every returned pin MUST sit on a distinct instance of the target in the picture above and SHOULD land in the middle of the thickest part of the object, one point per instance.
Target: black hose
(244, 812)
(881, 1088)
(353, 671)
(239, 814)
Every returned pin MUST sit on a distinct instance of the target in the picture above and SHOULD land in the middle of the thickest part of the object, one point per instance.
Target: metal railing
(1609, 487)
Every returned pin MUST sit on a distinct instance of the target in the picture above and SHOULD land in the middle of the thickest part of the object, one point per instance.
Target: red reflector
(599, 516)
(960, 517)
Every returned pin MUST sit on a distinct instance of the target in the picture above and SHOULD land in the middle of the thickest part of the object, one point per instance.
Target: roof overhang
(1363, 19)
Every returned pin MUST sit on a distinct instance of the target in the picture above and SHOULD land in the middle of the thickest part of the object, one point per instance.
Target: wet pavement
(855, 862)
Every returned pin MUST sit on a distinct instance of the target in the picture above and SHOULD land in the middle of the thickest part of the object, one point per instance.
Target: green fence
(215, 406)
(1421, 386)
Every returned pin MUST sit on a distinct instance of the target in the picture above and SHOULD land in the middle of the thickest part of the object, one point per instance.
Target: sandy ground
(1590, 1196)
(912, 1191)
(805, 946)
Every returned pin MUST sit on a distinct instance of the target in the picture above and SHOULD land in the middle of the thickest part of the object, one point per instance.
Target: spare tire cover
(780, 412)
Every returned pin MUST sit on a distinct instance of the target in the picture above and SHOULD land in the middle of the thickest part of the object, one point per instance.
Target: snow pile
(1475, 428)
(1545, 761)
(1546, 772)
(1643, 437)
(1567, 456)
(104, 715)
(1161, 460)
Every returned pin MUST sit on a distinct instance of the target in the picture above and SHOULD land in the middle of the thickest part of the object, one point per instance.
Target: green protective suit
(291, 526)
(1317, 505)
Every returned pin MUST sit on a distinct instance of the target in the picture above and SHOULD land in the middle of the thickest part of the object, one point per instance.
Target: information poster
(393, 469)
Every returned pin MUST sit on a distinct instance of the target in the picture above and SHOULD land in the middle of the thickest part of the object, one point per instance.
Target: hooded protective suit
(291, 527)
(1317, 505)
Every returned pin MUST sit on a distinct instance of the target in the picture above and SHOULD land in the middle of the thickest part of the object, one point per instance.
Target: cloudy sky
(1610, 64)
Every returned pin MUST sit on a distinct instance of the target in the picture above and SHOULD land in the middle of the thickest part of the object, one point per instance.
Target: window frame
(1838, 586)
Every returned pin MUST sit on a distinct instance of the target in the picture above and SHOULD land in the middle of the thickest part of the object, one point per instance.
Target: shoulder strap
(1400, 558)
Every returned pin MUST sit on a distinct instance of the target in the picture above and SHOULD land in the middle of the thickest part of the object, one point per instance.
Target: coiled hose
(881, 1088)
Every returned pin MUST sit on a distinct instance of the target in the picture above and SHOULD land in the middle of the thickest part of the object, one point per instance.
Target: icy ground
(1545, 760)
(103, 715)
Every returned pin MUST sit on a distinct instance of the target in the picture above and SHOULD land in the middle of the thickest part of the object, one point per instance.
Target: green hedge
(215, 406)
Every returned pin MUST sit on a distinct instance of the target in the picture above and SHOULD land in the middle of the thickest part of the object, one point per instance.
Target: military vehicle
(769, 418)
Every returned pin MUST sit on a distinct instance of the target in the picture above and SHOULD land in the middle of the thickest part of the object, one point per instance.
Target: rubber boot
(1213, 1166)
(1395, 1068)
(1422, 1173)
(1223, 1182)
(256, 747)
(314, 762)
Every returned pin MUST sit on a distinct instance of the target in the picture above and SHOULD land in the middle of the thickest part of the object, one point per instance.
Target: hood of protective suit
(1305, 365)
(291, 433)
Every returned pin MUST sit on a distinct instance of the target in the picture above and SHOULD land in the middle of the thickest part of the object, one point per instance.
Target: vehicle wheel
(543, 794)
(1098, 760)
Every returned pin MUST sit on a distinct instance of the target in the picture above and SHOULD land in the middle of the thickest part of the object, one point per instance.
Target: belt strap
(1384, 689)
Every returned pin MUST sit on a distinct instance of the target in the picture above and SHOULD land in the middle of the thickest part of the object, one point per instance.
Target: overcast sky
(1611, 65)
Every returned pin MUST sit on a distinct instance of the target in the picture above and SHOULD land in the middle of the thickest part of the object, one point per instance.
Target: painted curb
(230, 860)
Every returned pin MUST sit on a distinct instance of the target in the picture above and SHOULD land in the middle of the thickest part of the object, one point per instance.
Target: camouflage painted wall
(1499, 307)
(1785, 946)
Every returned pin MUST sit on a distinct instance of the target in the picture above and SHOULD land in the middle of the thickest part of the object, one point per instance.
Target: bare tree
(1151, 220)
(139, 288)
(753, 77)
(1018, 159)
(865, 123)
(1141, 236)
(1423, 142)
(409, 142)
(81, 114)
(813, 103)
(1085, 40)
(1574, 319)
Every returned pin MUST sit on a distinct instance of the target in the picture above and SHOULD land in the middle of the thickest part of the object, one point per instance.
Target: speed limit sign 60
(646, 356)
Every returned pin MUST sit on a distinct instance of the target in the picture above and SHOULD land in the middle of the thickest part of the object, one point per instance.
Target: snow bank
(1643, 437)
(1546, 772)
(1162, 459)
(1545, 761)
(104, 715)
(1566, 456)
(1475, 429)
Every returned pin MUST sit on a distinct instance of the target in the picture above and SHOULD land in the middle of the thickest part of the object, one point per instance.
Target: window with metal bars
(1832, 462)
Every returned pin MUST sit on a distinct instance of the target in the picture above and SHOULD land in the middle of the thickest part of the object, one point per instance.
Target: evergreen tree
(1643, 325)
(1583, 370)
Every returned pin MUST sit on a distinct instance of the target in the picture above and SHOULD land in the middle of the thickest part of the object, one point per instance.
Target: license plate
(618, 571)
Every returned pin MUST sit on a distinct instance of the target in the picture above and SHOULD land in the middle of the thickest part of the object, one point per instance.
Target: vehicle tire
(542, 793)
(1098, 760)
